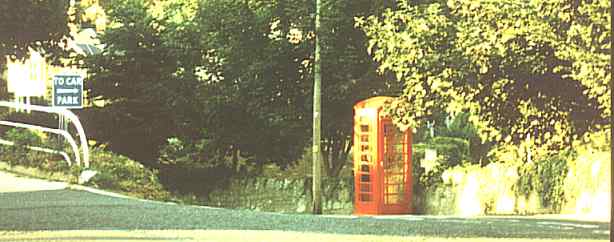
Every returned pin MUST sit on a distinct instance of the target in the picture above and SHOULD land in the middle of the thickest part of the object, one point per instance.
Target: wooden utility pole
(611, 127)
(316, 152)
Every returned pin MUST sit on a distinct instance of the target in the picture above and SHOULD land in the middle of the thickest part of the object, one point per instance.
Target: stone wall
(475, 190)
(467, 191)
(471, 191)
(289, 195)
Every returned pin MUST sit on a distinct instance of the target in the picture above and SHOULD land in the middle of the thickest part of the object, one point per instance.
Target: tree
(230, 78)
(22, 28)
(349, 76)
(280, 66)
(135, 77)
(527, 69)
(161, 75)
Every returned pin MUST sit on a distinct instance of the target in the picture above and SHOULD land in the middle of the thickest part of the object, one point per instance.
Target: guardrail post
(67, 114)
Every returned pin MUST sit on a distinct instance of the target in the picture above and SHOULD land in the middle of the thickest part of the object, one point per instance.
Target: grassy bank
(115, 172)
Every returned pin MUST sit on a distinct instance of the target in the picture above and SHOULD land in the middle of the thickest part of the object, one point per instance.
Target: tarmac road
(54, 207)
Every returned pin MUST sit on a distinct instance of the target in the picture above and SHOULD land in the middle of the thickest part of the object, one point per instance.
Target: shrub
(117, 172)
(427, 174)
(114, 172)
(545, 177)
(454, 150)
(197, 153)
(18, 153)
(38, 118)
(451, 152)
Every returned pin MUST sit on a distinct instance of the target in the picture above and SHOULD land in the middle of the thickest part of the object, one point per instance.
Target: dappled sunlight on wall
(473, 190)
(478, 190)
(587, 186)
(469, 203)
(505, 204)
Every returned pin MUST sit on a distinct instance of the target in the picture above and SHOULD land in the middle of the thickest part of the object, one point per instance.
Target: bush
(451, 152)
(575, 180)
(544, 174)
(43, 119)
(197, 153)
(546, 177)
(114, 172)
(24, 137)
(179, 152)
(117, 172)
(454, 150)
(19, 153)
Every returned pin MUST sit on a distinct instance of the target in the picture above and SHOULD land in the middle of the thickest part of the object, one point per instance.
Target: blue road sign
(68, 91)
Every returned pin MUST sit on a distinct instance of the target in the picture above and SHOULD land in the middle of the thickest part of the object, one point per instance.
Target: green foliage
(119, 173)
(461, 127)
(522, 67)
(23, 137)
(457, 126)
(454, 150)
(4, 92)
(135, 77)
(451, 152)
(270, 84)
(173, 152)
(22, 28)
(237, 76)
(545, 177)
(19, 153)
(114, 172)
(177, 152)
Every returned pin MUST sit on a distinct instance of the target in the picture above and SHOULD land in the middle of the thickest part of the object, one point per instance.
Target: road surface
(55, 207)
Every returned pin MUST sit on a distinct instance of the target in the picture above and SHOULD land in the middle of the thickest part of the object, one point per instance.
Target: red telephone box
(382, 161)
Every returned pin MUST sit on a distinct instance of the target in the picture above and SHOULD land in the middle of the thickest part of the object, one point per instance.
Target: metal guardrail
(41, 149)
(53, 110)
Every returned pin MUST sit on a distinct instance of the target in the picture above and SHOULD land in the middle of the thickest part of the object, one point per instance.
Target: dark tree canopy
(232, 79)
(134, 76)
(33, 24)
